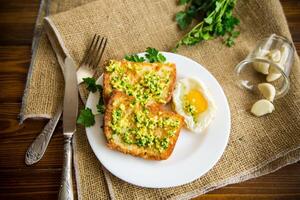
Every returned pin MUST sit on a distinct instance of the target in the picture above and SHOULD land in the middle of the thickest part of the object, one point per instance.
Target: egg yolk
(197, 100)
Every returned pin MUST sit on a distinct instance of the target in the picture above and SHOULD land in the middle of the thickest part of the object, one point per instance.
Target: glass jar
(271, 61)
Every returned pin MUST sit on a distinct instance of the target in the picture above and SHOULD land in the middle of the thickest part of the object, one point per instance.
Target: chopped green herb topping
(190, 110)
(140, 128)
(150, 85)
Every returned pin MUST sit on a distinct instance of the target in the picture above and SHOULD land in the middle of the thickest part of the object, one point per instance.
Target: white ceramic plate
(194, 154)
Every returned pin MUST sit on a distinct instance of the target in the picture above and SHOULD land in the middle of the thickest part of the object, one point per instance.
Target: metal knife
(70, 107)
(70, 110)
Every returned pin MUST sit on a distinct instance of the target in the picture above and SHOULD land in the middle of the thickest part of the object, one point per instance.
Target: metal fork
(87, 67)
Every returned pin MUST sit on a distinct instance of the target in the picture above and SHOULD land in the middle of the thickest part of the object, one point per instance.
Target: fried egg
(192, 100)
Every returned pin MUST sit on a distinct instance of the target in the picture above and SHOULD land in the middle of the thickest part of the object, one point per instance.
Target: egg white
(182, 88)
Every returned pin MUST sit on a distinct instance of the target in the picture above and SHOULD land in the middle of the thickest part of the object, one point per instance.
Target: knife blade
(70, 105)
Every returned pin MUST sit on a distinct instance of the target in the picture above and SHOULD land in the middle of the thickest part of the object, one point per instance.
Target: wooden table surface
(41, 181)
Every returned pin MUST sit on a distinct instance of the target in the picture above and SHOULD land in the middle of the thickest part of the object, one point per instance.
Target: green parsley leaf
(218, 6)
(183, 19)
(86, 117)
(101, 108)
(91, 84)
(134, 58)
(232, 36)
(153, 55)
(208, 20)
(161, 58)
(181, 2)
(100, 105)
(100, 89)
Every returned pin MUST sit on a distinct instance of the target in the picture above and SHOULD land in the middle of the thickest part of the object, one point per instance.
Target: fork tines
(95, 51)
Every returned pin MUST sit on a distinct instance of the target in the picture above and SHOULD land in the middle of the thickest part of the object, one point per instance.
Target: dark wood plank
(282, 184)
(17, 19)
(39, 184)
(15, 139)
(41, 181)
(31, 184)
(14, 64)
(292, 11)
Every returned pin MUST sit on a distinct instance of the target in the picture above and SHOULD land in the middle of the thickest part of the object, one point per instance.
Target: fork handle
(66, 185)
(38, 147)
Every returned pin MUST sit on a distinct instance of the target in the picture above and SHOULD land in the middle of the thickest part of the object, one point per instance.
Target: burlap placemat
(257, 146)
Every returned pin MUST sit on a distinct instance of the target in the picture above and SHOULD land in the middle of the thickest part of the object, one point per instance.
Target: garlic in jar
(275, 55)
(279, 57)
(267, 90)
(262, 67)
(284, 49)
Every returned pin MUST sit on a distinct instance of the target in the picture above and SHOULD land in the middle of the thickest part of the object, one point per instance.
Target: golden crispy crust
(172, 82)
(107, 89)
(139, 151)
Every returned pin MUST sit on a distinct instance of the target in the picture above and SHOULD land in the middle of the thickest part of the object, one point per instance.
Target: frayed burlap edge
(43, 11)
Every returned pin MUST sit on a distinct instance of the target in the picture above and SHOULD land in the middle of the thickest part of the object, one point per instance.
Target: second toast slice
(144, 131)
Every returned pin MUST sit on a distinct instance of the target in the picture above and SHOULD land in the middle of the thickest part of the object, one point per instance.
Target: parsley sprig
(218, 21)
(100, 105)
(93, 87)
(152, 55)
(134, 58)
(86, 116)
(91, 84)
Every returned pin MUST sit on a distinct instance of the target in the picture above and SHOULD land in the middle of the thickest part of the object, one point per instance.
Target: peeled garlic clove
(262, 107)
(273, 77)
(261, 67)
(284, 54)
(267, 90)
(275, 70)
(275, 55)
(262, 52)
(274, 73)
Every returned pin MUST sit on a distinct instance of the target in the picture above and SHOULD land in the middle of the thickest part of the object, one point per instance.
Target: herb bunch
(152, 55)
(86, 116)
(217, 21)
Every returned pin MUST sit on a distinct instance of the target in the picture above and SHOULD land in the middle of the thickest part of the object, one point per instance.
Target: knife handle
(66, 185)
(38, 147)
